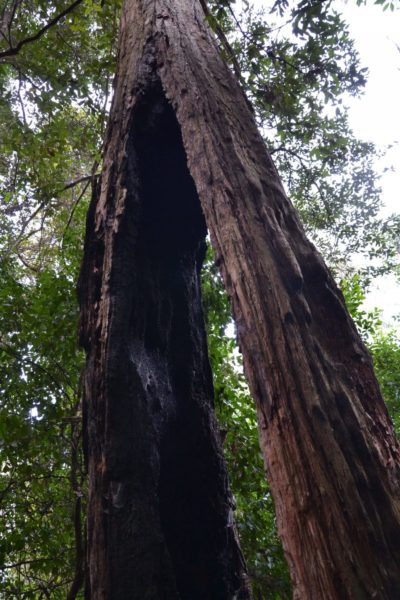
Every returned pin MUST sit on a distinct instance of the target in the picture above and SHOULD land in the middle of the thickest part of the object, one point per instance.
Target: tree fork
(329, 446)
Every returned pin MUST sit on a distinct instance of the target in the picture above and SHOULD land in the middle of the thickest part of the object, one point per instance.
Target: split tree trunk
(160, 523)
(155, 466)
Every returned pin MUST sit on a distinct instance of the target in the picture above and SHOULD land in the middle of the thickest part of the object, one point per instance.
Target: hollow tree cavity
(160, 511)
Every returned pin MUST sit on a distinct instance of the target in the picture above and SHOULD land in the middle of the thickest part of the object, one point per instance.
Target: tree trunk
(158, 501)
(160, 523)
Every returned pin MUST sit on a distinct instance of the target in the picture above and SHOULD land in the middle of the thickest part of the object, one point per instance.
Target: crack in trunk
(160, 509)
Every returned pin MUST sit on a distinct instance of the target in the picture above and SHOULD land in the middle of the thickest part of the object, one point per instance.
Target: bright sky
(375, 116)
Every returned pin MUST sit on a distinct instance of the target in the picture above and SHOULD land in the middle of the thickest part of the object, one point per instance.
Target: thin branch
(3, 13)
(29, 266)
(238, 24)
(275, 57)
(43, 205)
(3, 35)
(27, 562)
(7, 17)
(12, 51)
(77, 182)
(75, 205)
(308, 170)
(27, 78)
(270, 53)
(223, 39)
(40, 240)
(21, 236)
(78, 580)
(25, 225)
(21, 103)
(70, 46)
(12, 17)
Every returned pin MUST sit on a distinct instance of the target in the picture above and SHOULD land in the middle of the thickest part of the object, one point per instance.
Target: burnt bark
(329, 447)
(160, 520)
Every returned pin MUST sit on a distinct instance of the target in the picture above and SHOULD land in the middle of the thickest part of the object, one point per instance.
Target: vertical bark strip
(160, 521)
(329, 447)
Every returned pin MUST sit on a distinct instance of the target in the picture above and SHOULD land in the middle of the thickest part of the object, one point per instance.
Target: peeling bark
(159, 501)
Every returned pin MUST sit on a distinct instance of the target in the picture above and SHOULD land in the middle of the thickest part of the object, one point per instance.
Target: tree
(154, 457)
(53, 105)
(329, 446)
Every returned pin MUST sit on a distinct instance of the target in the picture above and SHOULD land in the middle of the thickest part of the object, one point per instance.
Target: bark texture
(329, 447)
(160, 523)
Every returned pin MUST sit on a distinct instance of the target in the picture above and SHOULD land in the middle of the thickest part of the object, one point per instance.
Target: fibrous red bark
(329, 447)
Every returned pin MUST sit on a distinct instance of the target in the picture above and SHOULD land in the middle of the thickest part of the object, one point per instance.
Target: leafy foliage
(53, 107)
(385, 350)
(383, 343)
(368, 322)
(41, 476)
(298, 65)
(236, 413)
(386, 4)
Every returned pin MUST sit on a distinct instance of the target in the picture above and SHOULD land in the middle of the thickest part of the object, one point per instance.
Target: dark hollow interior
(175, 443)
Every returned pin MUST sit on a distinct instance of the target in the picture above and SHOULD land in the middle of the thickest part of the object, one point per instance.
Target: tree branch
(89, 179)
(27, 562)
(223, 39)
(78, 580)
(12, 51)
(77, 182)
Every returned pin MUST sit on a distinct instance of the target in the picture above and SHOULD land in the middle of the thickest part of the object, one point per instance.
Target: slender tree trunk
(158, 513)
